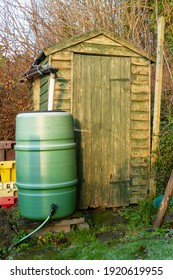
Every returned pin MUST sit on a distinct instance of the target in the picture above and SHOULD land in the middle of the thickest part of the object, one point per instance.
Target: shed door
(101, 110)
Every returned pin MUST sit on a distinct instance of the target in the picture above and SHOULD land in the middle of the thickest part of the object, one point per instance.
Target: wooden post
(165, 203)
(157, 101)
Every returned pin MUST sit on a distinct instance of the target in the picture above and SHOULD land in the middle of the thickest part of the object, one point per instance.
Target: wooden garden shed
(105, 82)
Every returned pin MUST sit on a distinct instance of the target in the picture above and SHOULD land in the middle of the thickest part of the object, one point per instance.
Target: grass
(113, 235)
(85, 246)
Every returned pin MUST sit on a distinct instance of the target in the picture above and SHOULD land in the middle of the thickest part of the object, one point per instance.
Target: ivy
(164, 164)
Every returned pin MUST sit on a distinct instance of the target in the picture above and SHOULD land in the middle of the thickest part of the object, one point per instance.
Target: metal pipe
(51, 92)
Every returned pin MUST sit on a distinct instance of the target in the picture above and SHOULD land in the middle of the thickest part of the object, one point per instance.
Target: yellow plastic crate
(7, 171)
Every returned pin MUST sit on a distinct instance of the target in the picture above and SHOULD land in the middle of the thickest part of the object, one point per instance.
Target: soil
(7, 230)
(94, 217)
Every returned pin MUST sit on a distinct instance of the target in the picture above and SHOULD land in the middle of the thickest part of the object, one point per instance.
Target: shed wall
(39, 91)
(44, 86)
(139, 129)
(139, 116)
(63, 86)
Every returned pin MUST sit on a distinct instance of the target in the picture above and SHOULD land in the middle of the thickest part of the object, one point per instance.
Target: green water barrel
(45, 164)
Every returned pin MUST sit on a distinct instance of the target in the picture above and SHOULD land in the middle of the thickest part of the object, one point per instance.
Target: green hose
(52, 212)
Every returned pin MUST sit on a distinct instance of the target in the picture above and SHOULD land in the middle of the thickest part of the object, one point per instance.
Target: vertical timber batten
(36, 96)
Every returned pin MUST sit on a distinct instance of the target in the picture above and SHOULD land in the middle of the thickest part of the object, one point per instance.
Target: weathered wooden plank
(115, 92)
(140, 70)
(138, 152)
(140, 170)
(62, 98)
(62, 55)
(72, 83)
(157, 103)
(140, 116)
(62, 85)
(140, 61)
(62, 104)
(116, 162)
(102, 49)
(139, 79)
(140, 96)
(138, 195)
(139, 191)
(86, 122)
(54, 226)
(102, 39)
(140, 88)
(44, 88)
(43, 80)
(62, 94)
(136, 162)
(140, 143)
(61, 64)
(135, 199)
(72, 41)
(44, 97)
(140, 106)
(139, 134)
(43, 106)
(139, 181)
(107, 133)
(44, 92)
(120, 146)
(125, 126)
(143, 125)
(96, 160)
(120, 88)
(86, 36)
(64, 75)
(85, 190)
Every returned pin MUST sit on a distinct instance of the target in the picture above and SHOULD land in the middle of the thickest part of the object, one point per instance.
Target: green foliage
(16, 215)
(50, 240)
(141, 216)
(164, 164)
(26, 244)
(3, 252)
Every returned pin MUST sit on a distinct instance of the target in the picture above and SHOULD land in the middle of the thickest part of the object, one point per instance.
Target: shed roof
(89, 35)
